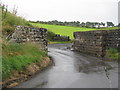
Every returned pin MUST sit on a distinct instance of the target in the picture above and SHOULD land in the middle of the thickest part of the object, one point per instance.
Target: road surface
(74, 70)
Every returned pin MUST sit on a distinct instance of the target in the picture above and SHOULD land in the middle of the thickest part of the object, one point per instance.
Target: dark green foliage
(50, 35)
(110, 24)
(73, 23)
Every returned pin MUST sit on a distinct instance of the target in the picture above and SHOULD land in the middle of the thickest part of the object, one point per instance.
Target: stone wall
(58, 37)
(29, 34)
(96, 42)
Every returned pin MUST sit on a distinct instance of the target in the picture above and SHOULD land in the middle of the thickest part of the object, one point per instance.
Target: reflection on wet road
(74, 70)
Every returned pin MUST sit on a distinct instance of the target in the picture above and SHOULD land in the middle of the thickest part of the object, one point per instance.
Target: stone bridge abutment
(96, 42)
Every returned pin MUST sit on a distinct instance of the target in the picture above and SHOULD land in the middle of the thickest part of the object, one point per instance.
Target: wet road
(74, 70)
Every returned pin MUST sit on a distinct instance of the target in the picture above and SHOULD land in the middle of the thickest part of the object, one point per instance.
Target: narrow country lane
(74, 70)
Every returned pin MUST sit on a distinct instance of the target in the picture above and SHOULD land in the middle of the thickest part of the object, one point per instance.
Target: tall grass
(17, 56)
(10, 21)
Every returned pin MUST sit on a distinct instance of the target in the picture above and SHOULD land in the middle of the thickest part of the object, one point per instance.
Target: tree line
(77, 23)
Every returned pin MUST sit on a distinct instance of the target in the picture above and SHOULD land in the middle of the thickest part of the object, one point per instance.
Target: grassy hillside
(16, 57)
(10, 21)
(66, 30)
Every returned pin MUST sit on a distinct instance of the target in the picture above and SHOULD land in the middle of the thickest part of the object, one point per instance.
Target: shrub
(50, 35)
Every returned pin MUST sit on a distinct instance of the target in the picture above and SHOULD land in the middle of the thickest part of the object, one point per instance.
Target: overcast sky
(66, 10)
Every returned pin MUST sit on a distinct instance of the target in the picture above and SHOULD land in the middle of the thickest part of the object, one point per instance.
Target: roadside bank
(26, 73)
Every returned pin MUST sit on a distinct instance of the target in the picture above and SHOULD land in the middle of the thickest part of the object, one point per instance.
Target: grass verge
(17, 56)
(59, 42)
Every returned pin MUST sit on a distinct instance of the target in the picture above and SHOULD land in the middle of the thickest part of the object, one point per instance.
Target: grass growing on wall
(113, 54)
(17, 56)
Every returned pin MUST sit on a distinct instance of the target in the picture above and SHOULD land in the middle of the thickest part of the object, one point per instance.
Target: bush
(50, 35)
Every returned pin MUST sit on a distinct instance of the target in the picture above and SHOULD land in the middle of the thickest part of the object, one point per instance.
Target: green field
(66, 30)
(62, 30)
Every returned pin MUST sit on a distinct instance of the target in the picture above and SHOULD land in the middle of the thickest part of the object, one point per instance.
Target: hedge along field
(68, 30)
(62, 30)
